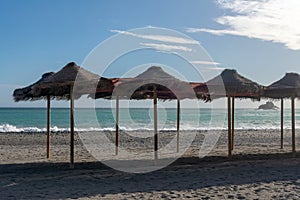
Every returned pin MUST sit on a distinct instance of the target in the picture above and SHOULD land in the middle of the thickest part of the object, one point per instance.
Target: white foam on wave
(8, 128)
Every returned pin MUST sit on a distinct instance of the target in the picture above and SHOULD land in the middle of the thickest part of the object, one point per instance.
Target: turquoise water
(34, 119)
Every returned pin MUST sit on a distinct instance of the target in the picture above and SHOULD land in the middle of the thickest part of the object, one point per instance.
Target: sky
(258, 38)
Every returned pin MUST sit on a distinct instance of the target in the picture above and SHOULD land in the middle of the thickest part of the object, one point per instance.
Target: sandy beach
(259, 169)
(150, 100)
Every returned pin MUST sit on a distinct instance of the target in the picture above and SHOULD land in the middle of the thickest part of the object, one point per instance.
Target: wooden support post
(155, 124)
(229, 126)
(281, 125)
(178, 123)
(71, 129)
(48, 127)
(232, 125)
(293, 126)
(117, 124)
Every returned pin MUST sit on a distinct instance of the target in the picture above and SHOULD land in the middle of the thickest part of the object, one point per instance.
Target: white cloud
(215, 32)
(204, 62)
(164, 47)
(216, 68)
(269, 20)
(160, 38)
(207, 65)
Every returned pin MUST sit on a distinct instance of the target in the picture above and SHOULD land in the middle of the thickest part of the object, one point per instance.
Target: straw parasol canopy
(72, 77)
(231, 83)
(154, 83)
(286, 87)
(154, 78)
(27, 93)
(70, 82)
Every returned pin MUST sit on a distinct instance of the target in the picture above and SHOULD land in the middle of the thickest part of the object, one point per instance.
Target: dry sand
(259, 169)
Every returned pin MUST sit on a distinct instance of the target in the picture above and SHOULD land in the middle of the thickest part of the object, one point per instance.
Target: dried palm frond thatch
(27, 93)
(286, 87)
(154, 78)
(230, 83)
(72, 78)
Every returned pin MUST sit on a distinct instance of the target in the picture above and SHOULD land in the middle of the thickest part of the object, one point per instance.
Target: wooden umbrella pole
(72, 130)
(178, 123)
(293, 125)
(117, 123)
(281, 125)
(155, 124)
(229, 126)
(232, 125)
(48, 126)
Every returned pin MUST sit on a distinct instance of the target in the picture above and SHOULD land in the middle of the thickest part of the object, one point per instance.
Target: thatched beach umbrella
(28, 93)
(232, 85)
(286, 87)
(71, 82)
(154, 84)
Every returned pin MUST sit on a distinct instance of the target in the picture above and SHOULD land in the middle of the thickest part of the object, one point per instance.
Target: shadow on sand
(57, 180)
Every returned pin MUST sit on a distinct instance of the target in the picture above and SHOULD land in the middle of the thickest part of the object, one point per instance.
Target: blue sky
(259, 38)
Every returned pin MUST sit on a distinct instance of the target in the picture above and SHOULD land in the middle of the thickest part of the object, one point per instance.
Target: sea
(134, 119)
